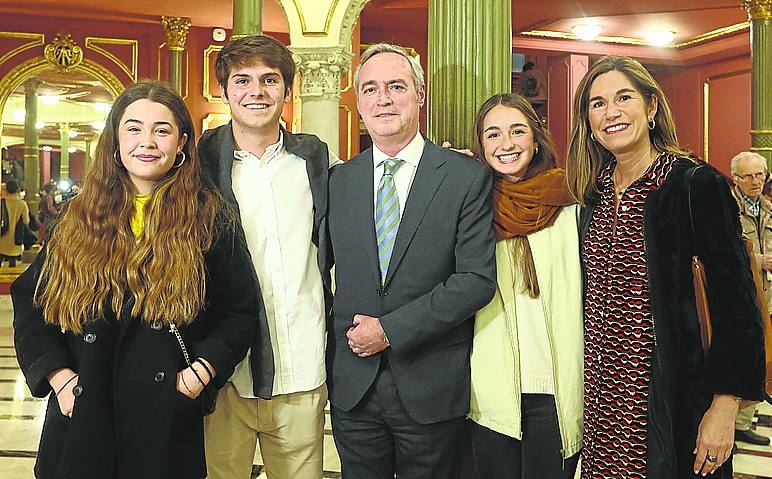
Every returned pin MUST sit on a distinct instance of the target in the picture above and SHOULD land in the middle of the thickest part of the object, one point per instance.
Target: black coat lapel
(225, 165)
(428, 179)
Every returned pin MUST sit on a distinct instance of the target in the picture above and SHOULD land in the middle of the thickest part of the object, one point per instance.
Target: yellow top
(138, 219)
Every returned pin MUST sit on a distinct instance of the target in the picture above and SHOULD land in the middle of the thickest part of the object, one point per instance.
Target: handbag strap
(689, 195)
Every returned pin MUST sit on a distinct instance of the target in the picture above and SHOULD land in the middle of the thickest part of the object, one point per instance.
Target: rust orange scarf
(528, 206)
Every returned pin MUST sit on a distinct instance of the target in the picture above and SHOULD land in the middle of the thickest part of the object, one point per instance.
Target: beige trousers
(290, 429)
(745, 418)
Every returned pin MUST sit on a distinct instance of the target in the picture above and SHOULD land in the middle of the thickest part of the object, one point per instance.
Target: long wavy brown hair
(586, 157)
(94, 263)
(543, 160)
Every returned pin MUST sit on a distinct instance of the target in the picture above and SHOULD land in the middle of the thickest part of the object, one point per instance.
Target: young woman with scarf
(526, 398)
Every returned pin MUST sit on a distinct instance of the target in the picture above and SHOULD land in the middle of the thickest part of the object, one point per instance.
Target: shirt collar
(411, 153)
(270, 153)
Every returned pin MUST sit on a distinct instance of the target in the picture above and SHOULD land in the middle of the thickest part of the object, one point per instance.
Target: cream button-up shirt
(276, 209)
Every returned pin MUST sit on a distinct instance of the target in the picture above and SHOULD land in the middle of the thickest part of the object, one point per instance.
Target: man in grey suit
(410, 229)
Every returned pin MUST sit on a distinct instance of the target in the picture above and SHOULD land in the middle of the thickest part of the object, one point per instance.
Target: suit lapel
(428, 179)
(362, 195)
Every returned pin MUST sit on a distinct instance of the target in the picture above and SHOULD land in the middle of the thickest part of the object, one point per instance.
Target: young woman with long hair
(527, 348)
(140, 305)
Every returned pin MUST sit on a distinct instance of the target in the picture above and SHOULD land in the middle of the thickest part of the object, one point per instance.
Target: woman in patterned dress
(656, 405)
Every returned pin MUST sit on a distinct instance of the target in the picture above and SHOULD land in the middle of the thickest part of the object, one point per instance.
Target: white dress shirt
(276, 209)
(403, 178)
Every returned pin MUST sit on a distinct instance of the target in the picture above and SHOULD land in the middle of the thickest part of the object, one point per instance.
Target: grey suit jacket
(216, 151)
(441, 272)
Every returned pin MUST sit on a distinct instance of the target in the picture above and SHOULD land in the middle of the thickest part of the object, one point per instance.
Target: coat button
(89, 338)
(77, 391)
(159, 376)
(156, 325)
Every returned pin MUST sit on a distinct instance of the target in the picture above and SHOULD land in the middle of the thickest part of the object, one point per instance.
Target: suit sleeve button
(159, 376)
(90, 338)
(77, 391)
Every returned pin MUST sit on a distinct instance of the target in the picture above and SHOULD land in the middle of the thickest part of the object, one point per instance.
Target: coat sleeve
(468, 289)
(736, 360)
(233, 305)
(41, 348)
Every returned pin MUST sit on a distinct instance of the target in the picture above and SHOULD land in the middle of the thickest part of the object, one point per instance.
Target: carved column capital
(176, 30)
(31, 85)
(321, 70)
(758, 9)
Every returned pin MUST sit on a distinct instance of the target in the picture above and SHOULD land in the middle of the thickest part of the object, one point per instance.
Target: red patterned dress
(619, 329)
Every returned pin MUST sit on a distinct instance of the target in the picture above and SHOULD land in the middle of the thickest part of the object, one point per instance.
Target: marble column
(31, 151)
(470, 59)
(320, 71)
(176, 30)
(760, 15)
(247, 18)
(64, 154)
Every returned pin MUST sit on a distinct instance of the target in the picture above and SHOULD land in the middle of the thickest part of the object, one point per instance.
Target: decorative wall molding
(98, 45)
(36, 40)
(63, 53)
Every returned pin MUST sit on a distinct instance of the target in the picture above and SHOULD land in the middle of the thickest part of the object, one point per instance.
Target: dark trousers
(537, 456)
(378, 439)
(11, 260)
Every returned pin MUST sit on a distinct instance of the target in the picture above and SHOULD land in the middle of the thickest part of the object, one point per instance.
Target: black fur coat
(683, 381)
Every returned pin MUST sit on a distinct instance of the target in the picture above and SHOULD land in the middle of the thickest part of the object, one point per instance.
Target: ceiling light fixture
(47, 148)
(660, 39)
(103, 107)
(98, 125)
(18, 114)
(72, 133)
(49, 99)
(40, 125)
(586, 31)
(72, 149)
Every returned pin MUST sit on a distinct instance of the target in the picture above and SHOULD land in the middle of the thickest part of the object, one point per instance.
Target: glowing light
(98, 125)
(48, 148)
(65, 185)
(72, 133)
(660, 39)
(587, 31)
(103, 107)
(40, 125)
(18, 114)
(49, 99)
(72, 149)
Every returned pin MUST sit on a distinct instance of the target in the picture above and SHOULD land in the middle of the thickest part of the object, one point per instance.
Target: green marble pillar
(760, 15)
(31, 152)
(247, 18)
(176, 30)
(64, 155)
(470, 59)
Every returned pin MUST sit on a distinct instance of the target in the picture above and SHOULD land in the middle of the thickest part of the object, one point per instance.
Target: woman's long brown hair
(543, 160)
(93, 262)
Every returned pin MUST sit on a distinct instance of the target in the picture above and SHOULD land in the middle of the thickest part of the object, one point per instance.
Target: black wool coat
(130, 421)
(683, 379)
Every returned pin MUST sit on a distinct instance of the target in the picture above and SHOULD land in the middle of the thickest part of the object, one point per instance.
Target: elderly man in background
(749, 171)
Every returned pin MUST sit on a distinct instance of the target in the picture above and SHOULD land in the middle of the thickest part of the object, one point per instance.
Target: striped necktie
(387, 214)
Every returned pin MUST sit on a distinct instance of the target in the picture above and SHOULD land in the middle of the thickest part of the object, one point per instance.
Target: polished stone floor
(21, 419)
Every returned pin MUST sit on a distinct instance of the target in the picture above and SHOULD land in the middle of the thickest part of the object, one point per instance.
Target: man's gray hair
(746, 155)
(372, 50)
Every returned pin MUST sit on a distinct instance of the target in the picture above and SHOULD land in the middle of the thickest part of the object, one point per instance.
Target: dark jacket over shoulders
(130, 421)
(442, 270)
(683, 382)
(216, 150)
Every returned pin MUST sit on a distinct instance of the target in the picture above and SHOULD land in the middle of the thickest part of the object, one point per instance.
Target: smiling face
(619, 114)
(507, 142)
(256, 95)
(149, 141)
(388, 101)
